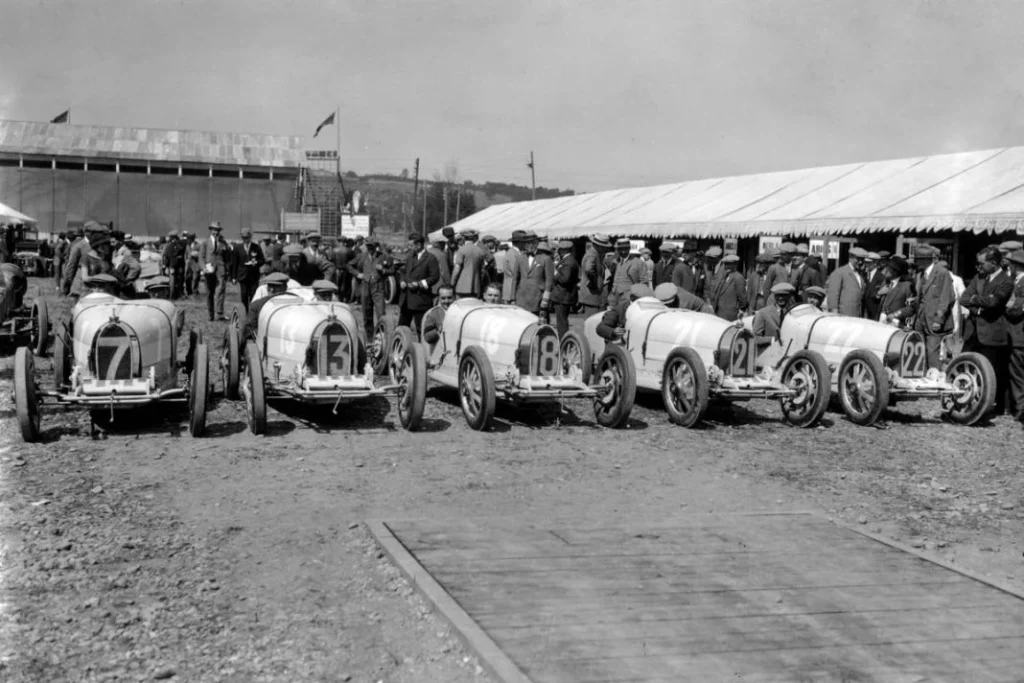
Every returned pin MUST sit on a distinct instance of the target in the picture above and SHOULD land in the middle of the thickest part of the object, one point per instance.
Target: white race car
(693, 358)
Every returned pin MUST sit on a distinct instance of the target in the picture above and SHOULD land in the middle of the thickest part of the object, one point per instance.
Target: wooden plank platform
(774, 597)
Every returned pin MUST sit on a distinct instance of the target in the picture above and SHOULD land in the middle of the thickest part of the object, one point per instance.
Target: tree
(351, 174)
(404, 175)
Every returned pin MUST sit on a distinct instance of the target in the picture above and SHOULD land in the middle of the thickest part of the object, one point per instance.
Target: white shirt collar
(928, 270)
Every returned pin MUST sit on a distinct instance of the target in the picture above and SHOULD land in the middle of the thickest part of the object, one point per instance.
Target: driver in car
(276, 284)
(768, 320)
(325, 290)
(433, 321)
(613, 323)
(492, 295)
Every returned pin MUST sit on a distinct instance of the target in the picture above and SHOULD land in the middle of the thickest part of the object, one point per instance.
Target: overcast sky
(607, 94)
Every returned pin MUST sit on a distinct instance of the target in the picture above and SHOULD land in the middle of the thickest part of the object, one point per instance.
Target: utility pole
(424, 214)
(445, 205)
(416, 190)
(533, 176)
(458, 204)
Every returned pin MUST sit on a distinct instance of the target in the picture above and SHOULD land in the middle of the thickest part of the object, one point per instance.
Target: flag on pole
(62, 118)
(328, 121)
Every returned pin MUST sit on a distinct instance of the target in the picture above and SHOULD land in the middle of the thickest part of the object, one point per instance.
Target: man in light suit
(846, 286)
(592, 294)
(510, 267)
(417, 282)
(214, 253)
(445, 275)
(536, 277)
(935, 299)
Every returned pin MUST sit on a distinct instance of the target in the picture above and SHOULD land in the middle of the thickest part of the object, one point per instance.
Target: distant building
(148, 181)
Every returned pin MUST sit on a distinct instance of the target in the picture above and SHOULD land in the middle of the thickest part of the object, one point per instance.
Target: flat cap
(565, 244)
(803, 249)
(665, 292)
(787, 248)
(489, 239)
(1016, 257)
(158, 281)
(100, 280)
(469, 233)
(731, 258)
(815, 290)
(312, 235)
(766, 257)
(324, 286)
(647, 251)
(714, 251)
(667, 248)
(215, 225)
(640, 290)
(884, 254)
(873, 256)
(93, 226)
(448, 231)
(623, 242)
(172, 233)
(783, 288)
(1011, 245)
(275, 279)
(925, 251)
(600, 241)
(246, 232)
(291, 249)
(689, 245)
(544, 246)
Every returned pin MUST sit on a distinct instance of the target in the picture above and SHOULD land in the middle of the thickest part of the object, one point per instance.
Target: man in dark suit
(729, 295)
(214, 254)
(1015, 330)
(757, 294)
(986, 330)
(563, 292)
(688, 276)
(341, 255)
(895, 293)
(246, 261)
(665, 266)
(417, 282)
(935, 299)
(874, 279)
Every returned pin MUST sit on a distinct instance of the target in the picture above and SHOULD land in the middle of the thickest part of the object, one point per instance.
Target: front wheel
(975, 379)
(401, 340)
(199, 391)
(863, 387)
(411, 374)
(806, 374)
(40, 327)
(230, 362)
(616, 383)
(25, 402)
(61, 361)
(476, 389)
(254, 391)
(684, 387)
(574, 351)
(383, 332)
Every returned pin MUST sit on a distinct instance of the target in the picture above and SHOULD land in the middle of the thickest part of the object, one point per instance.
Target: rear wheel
(25, 401)
(806, 374)
(230, 362)
(199, 390)
(411, 374)
(383, 332)
(476, 389)
(973, 375)
(616, 377)
(684, 387)
(863, 387)
(40, 327)
(253, 390)
(574, 350)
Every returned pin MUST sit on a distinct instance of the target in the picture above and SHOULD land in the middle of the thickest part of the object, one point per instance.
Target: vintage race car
(114, 355)
(491, 351)
(312, 351)
(874, 364)
(693, 358)
(20, 324)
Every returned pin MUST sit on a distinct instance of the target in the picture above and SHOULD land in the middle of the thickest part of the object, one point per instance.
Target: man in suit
(874, 278)
(312, 248)
(563, 291)
(246, 261)
(536, 277)
(935, 299)
(1015, 330)
(417, 282)
(846, 286)
(214, 253)
(687, 275)
(985, 330)
(173, 263)
(666, 265)
(61, 251)
(468, 273)
(592, 275)
(298, 265)
(729, 296)
(782, 269)
(629, 271)
(341, 255)
(677, 297)
(437, 251)
(895, 293)
(510, 267)
(768, 319)
(77, 256)
(433, 320)
(757, 294)
(193, 273)
(1005, 249)
(369, 270)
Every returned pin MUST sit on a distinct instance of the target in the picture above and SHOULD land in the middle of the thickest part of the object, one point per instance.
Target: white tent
(9, 215)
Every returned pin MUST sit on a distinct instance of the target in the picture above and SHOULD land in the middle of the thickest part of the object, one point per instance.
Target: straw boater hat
(544, 247)
(731, 258)
(215, 225)
(600, 241)
(714, 251)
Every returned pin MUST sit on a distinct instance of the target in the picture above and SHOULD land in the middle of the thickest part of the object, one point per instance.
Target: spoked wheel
(476, 389)
(40, 335)
(410, 372)
(401, 340)
(61, 360)
(230, 362)
(616, 381)
(806, 373)
(383, 333)
(253, 390)
(684, 387)
(574, 351)
(974, 378)
(25, 400)
(198, 391)
(863, 387)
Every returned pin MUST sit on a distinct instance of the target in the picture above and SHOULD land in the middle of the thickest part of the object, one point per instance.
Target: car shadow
(372, 412)
(222, 429)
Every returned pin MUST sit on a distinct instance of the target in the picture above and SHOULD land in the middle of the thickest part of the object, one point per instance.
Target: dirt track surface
(148, 554)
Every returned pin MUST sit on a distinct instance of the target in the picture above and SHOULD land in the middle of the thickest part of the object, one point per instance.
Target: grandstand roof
(151, 144)
(971, 191)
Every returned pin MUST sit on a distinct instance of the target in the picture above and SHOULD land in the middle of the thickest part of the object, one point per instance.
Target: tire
(412, 374)
(575, 350)
(61, 361)
(40, 336)
(391, 290)
(254, 391)
(402, 339)
(684, 387)
(476, 389)
(377, 348)
(25, 402)
(974, 372)
(230, 362)
(807, 373)
(863, 387)
(195, 338)
(199, 391)
(237, 317)
(616, 372)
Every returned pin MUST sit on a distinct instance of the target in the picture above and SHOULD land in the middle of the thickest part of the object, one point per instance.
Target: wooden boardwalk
(785, 597)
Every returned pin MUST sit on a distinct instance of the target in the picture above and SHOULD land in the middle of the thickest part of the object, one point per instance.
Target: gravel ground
(149, 555)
